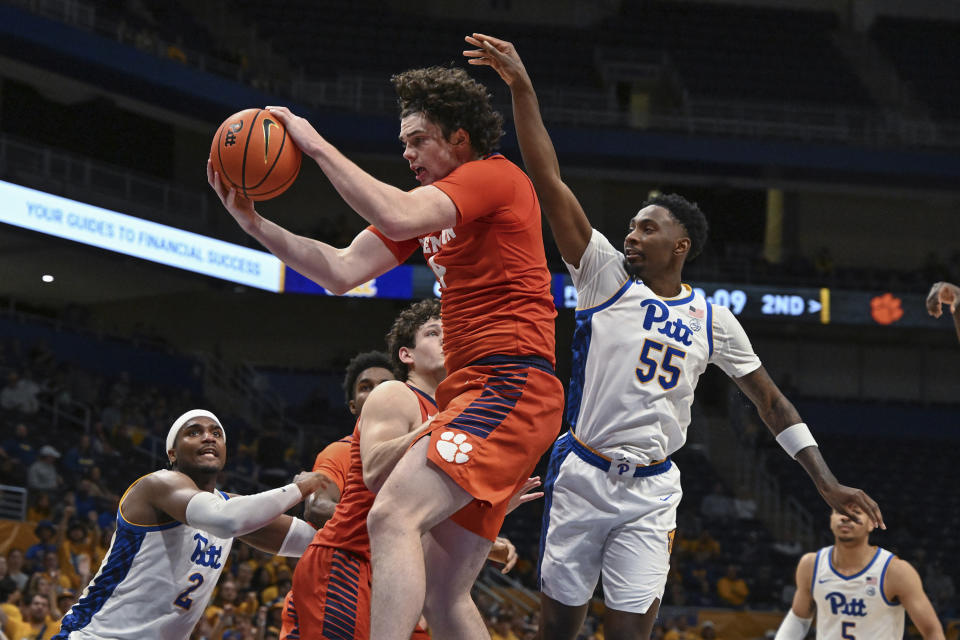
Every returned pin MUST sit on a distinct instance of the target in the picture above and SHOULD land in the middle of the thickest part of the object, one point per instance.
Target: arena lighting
(97, 227)
(47, 278)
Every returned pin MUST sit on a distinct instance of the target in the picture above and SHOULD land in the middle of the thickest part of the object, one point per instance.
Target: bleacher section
(918, 49)
(743, 53)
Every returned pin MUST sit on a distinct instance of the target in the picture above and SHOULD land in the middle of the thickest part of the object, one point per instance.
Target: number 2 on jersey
(183, 600)
(649, 365)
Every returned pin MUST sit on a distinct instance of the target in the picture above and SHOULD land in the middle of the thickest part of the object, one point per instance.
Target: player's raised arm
(780, 416)
(337, 270)
(389, 424)
(399, 214)
(903, 583)
(942, 293)
(797, 621)
(571, 228)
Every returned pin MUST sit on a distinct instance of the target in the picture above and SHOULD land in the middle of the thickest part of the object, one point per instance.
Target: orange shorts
(497, 417)
(332, 591)
(289, 624)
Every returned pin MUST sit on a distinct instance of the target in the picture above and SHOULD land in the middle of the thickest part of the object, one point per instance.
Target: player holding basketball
(476, 218)
(643, 339)
(858, 590)
(174, 533)
(364, 372)
(332, 581)
(942, 293)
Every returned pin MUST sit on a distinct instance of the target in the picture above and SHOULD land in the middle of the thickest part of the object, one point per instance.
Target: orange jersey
(334, 461)
(347, 529)
(491, 266)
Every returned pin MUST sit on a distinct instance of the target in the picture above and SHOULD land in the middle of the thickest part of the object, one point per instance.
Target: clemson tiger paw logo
(453, 448)
(886, 309)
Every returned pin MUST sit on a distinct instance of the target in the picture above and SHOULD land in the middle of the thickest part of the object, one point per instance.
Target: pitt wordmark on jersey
(637, 357)
(855, 607)
(154, 582)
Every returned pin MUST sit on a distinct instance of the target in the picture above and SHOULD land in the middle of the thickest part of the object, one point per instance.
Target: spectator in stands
(708, 631)
(96, 490)
(15, 569)
(698, 585)
(40, 619)
(41, 509)
(42, 474)
(80, 458)
(732, 589)
(51, 570)
(10, 616)
(704, 545)
(678, 629)
(20, 394)
(46, 532)
(77, 549)
(500, 629)
(942, 293)
(718, 506)
(21, 446)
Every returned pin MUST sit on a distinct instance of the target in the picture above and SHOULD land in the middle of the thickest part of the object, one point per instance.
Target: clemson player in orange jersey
(364, 372)
(331, 584)
(477, 219)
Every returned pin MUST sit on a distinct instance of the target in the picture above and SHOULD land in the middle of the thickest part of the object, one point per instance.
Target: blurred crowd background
(820, 137)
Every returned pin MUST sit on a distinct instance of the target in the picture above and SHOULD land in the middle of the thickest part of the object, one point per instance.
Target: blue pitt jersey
(637, 357)
(154, 582)
(856, 606)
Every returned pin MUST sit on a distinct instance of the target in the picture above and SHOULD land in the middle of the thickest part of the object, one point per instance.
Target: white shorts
(596, 525)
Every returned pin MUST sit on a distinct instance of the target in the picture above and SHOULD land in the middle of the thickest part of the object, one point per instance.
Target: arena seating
(918, 48)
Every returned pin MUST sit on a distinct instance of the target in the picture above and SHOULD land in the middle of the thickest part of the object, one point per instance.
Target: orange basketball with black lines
(253, 153)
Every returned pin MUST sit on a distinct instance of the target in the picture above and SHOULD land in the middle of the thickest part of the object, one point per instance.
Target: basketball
(252, 153)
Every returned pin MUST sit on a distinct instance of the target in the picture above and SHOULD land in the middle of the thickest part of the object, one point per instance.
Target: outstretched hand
(239, 207)
(525, 494)
(854, 504)
(496, 53)
(299, 129)
(503, 552)
(942, 293)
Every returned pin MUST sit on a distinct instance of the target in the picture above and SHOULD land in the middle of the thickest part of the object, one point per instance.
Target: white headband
(190, 415)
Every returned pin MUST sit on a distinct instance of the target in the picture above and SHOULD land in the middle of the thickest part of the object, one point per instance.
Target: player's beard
(634, 271)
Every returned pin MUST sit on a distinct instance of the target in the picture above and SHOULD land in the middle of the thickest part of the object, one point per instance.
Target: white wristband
(299, 536)
(793, 627)
(795, 438)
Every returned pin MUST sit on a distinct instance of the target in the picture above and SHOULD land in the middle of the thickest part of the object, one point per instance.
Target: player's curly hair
(451, 99)
(403, 333)
(689, 215)
(357, 365)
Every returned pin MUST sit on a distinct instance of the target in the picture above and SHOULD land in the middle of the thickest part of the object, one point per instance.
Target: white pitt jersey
(154, 582)
(855, 606)
(637, 357)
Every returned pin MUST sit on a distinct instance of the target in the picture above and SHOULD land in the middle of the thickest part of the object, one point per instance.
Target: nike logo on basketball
(267, 123)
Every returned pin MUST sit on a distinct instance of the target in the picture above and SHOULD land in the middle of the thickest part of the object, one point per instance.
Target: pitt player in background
(858, 591)
(643, 339)
(174, 534)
